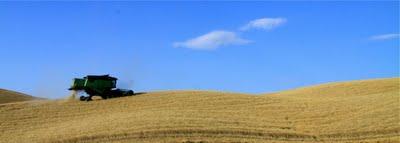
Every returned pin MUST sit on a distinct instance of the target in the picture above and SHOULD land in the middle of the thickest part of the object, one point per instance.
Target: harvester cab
(99, 85)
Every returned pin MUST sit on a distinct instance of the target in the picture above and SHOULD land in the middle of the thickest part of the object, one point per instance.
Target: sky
(247, 47)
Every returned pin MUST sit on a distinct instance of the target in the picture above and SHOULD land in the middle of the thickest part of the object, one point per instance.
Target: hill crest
(9, 96)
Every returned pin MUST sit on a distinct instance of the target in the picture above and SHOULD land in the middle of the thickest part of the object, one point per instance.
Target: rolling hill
(355, 111)
(8, 96)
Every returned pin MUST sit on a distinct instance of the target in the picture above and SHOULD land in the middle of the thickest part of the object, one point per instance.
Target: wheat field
(8, 96)
(355, 111)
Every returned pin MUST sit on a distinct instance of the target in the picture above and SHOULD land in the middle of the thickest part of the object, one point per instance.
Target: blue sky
(250, 47)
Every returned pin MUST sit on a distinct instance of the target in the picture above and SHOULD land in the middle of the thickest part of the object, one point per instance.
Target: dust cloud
(73, 96)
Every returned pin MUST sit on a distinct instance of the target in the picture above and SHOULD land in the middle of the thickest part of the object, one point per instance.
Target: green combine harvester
(99, 85)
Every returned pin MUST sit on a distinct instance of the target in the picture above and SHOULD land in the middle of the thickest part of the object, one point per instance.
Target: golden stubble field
(356, 111)
(7, 96)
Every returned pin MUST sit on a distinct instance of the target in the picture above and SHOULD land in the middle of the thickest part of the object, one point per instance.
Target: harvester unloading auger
(99, 85)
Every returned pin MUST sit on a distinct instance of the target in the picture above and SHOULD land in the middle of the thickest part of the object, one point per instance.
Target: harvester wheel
(89, 98)
(130, 93)
(82, 98)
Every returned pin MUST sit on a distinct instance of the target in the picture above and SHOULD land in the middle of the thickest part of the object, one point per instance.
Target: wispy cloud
(220, 38)
(212, 40)
(264, 24)
(385, 36)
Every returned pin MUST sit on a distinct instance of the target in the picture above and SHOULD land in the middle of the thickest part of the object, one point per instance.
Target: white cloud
(385, 36)
(264, 24)
(212, 40)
